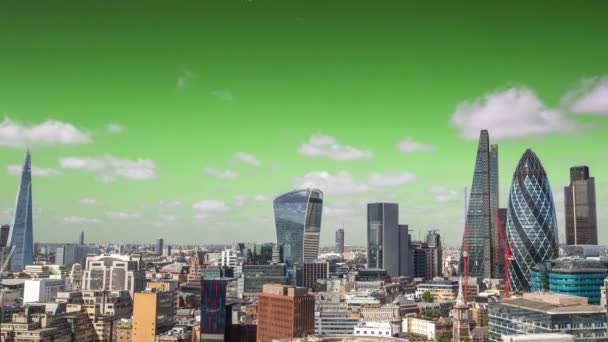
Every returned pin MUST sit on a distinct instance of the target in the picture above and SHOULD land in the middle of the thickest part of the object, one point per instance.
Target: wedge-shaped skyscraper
(21, 233)
(297, 216)
(531, 221)
(481, 235)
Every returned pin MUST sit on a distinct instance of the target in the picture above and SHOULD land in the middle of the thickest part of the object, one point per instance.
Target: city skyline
(189, 129)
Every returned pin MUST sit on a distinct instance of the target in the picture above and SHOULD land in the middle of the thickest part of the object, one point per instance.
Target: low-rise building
(42, 290)
(380, 329)
(549, 337)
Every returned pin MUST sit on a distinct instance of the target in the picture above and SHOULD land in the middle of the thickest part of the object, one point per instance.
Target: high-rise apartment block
(387, 241)
(581, 211)
(153, 314)
(21, 232)
(340, 241)
(285, 312)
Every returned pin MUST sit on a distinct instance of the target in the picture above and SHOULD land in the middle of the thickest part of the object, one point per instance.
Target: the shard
(483, 198)
(21, 234)
(531, 221)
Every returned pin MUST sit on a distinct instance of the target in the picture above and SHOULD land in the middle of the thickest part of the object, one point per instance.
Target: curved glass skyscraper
(297, 216)
(531, 221)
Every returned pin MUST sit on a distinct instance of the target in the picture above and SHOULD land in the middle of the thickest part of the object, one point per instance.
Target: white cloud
(49, 132)
(509, 113)
(80, 220)
(184, 78)
(88, 201)
(119, 215)
(344, 183)
(591, 97)
(337, 211)
(325, 146)
(239, 200)
(408, 145)
(247, 158)
(110, 167)
(442, 194)
(15, 170)
(261, 198)
(170, 204)
(114, 128)
(208, 206)
(167, 217)
(223, 95)
(221, 174)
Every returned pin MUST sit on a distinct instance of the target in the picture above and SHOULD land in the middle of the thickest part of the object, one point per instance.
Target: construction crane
(507, 251)
(7, 260)
(465, 252)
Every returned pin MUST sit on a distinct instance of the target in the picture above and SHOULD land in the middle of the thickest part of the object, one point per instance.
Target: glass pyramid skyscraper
(21, 234)
(531, 221)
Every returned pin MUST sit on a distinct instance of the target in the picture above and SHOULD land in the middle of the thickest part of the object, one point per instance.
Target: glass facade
(483, 195)
(213, 307)
(531, 221)
(21, 234)
(517, 316)
(580, 206)
(383, 237)
(297, 216)
(570, 276)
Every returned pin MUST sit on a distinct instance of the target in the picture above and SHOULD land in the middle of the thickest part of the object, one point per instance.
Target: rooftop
(552, 303)
(339, 338)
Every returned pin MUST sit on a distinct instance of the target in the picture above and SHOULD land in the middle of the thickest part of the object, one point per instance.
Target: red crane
(465, 252)
(507, 250)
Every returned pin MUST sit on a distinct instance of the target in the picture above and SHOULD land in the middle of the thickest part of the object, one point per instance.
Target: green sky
(190, 84)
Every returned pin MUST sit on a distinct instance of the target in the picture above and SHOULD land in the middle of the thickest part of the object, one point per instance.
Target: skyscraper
(483, 196)
(531, 221)
(213, 309)
(21, 234)
(433, 240)
(81, 237)
(497, 266)
(340, 241)
(581, 214)
(297, 216)
(160, 243)
(406, 258)
(383, 238)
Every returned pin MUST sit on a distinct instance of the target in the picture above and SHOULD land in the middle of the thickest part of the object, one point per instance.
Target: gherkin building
(531, 221)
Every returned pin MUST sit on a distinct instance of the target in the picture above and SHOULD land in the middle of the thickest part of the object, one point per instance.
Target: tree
(427, 297)
(445, 336)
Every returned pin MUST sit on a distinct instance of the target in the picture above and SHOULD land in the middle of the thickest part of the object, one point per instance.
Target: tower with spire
(460, 317)
(21, 233)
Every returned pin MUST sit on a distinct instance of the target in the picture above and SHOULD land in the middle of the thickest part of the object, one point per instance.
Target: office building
(35, 325)
(441, 290)
(332, 316)
(297, 216)
(499, 255)
(313, 271)
(114, 272)
(167, 251)
(21, 232)
(580, 206)
(422, 259)
(229, 258)
(534, 313)
(480, 232)
(433, 241)
(340, 241)
(387, 241)
(285, 312)
(153, 314)
(4, 230)
(71, 254)
(42, 290)
(375, 329)
(213, 310)
(531, 221)
(160, 244)
(406, 257)
(548, 337)
(252, 278)
(570, 276)
(81, 238)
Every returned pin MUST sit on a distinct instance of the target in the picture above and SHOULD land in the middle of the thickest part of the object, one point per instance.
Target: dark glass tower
(531, 221)
(340, 241)
(581, 212)
(483, 198)
(297, 217)
(387, 240)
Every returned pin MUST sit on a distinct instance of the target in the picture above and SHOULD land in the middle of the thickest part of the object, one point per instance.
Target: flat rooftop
(337, 338)
(552, 303)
